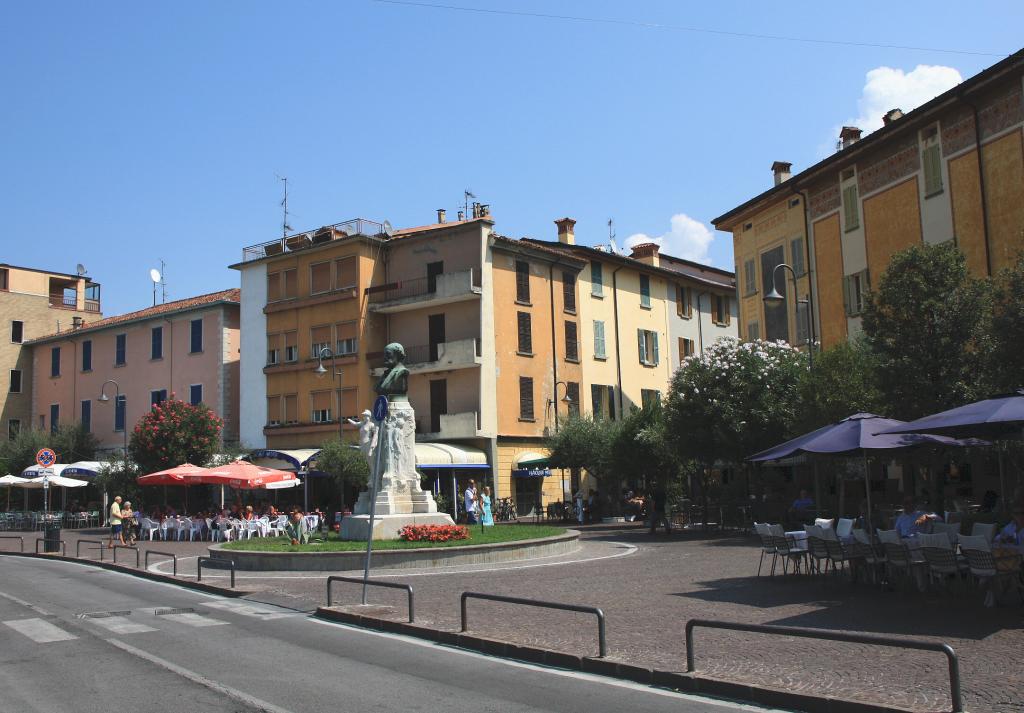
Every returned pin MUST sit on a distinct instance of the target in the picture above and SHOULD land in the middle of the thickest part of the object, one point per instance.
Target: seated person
(803, 506)
(909, 524)
(248, 514)
(1013, 533)
(296, 529)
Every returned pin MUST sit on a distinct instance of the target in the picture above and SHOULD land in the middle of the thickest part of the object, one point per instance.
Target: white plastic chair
(952, 531)
(844, 527)
(890, 537)
(148, 528)
(984, 529)
(975, 542)
(823, 522)
(939, 541)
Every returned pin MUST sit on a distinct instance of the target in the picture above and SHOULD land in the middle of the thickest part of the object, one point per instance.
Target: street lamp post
(320, 371)
(567, 400)
(103, 398)
(774, 296)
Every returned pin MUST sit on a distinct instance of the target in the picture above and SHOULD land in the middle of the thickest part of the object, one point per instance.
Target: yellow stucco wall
(892, 222)
(508, 452)
(829, 261)
(967, 217)
(1004, 184)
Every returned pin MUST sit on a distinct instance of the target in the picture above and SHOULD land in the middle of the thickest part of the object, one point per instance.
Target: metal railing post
(98, 543)
(602, 642)
(174, 559)
(21, 540)
(127, 547)
(387, 585)
(217, 562)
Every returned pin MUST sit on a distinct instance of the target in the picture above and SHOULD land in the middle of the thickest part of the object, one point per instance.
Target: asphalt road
(79, 639)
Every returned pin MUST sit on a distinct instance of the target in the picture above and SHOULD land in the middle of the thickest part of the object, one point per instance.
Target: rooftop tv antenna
(154, 275)
(611, 238)
(285, 228)
(163, 281)
(466, 195)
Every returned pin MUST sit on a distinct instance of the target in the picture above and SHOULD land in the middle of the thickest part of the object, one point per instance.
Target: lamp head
(103, 398)
(567, 399)
(320, 370)
(773, 296)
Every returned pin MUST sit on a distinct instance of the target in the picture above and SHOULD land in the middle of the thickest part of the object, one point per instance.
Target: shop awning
(448, 455)
(530, 464)
(294, 460)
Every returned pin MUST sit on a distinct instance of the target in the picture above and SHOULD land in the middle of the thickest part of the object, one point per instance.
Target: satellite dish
(154, 275)
(80, 268)
(388, 229)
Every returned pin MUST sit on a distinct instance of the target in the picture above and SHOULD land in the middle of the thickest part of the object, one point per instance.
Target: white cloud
(686, 238)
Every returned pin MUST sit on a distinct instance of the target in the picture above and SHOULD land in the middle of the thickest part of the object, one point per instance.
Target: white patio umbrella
(9, 481)
(56, 481)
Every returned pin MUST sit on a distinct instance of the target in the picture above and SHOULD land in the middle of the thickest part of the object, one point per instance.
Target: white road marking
(22, 602)
(253, 703)
(247, 609)
(120, 625)
(40, 631)
(192, 620)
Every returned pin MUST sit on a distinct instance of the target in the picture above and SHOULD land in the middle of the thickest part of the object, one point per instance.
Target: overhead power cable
(684, 28)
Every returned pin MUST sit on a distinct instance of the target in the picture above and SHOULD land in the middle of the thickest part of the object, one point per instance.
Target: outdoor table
(798, 538)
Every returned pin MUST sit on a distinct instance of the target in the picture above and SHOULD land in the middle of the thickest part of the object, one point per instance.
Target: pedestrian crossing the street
(40, 630)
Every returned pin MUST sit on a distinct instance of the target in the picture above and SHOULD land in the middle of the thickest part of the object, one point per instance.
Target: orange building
(918, 179)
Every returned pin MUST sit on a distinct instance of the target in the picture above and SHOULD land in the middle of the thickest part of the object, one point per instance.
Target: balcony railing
(444, 285)
(62, 301)
(301, 241)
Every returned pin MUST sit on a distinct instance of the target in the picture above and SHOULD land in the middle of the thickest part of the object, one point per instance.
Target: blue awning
(297, 459)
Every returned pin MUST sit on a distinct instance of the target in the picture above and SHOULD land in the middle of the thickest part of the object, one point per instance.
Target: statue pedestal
(387, 527)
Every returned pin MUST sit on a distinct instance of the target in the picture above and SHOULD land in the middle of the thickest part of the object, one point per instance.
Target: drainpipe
(618, 351)
(981, 185)
(810, 269)
(700, 323)
(554, 351)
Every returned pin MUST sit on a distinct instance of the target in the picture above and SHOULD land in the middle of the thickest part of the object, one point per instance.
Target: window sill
(648, 366)
(850, 230)
(198, 352)
(643, 306)
(86, 371)
(524, 303)
(119, 366)
(54, 376)
(597, 295)
(934, 193)
(572, 361)
(156, 358)
(600, 358)
(525, 354)
(684, 316)
(527, 420)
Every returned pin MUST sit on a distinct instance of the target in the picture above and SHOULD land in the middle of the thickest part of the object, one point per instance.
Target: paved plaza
(649, 586)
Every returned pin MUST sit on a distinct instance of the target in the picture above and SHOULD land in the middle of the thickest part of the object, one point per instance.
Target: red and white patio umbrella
(243, 475)
(184, 474)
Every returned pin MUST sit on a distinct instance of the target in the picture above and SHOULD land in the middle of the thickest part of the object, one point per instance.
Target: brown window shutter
(347, 330)
(525, 333)
(727, 305)
(571, 342)
(347, 399)
(569, 291)
(345, 272)
(522, 281)
(273, 409)
(525, 397)
(714, 309)
(291, 409)
(320, 277)
(273, 287)
(289, 284)
(291, 339)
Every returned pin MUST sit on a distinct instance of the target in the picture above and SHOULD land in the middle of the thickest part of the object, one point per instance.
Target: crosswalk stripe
(246, 609)
(40, 631)
(193, 620)
(121, 625)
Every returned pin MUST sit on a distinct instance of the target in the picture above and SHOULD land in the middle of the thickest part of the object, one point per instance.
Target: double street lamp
(774, 297)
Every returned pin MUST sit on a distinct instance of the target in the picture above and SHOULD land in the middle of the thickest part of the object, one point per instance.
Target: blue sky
(131, 132)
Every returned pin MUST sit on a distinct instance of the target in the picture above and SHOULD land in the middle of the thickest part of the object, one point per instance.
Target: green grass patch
(489, 535)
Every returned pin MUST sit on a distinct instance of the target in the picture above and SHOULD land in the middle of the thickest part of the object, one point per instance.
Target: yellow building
(918, 179)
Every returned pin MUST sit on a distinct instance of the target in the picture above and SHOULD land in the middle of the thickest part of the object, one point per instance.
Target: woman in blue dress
(486, 518)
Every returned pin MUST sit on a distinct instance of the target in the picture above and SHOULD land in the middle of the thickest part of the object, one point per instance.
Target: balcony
(446, 356)
(422, 292)
(453, 425)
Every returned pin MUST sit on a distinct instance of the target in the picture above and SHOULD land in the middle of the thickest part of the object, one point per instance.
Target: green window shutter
(599, 339)
(641, 346)
(846, 295)
(596, 279)
(850, 214)
(932, 161)
(656, 358)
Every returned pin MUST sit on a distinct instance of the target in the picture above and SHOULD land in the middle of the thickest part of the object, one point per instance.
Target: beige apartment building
(33, 303)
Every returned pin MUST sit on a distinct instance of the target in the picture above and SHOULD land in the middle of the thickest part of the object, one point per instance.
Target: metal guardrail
(371, 583)
(215, 562)
(15, 537)
(127, 547)
(98, 543)
(173, 556)
(871, 639)
(63, 547)
(602, 643)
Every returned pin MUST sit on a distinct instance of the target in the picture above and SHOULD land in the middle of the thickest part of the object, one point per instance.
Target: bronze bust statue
(394, 382)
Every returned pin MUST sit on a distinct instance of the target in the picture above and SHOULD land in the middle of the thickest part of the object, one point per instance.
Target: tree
(842, 382)
(586, 443)
(927, 325)
(1005, 370)
(117, 477)
(172, 433)
(71, 443)
(640, 452)
(344, 463)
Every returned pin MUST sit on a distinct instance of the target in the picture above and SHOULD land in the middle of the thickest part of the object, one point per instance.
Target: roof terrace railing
(300, 241)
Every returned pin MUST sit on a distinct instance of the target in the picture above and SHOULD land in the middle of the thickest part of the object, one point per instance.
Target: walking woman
(486, 518)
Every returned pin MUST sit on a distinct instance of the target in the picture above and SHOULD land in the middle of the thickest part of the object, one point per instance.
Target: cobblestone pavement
(648, 593)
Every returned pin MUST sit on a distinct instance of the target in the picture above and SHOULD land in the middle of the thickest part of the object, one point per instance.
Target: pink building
(188, 348)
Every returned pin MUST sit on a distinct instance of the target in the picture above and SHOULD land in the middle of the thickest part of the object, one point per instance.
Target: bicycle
(506, 510)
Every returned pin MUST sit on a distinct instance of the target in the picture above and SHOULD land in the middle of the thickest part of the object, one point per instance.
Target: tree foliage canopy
(1006, 363)
(71, 443)
(586, 443)
(172, 433)
(841, 383)
(343, 463)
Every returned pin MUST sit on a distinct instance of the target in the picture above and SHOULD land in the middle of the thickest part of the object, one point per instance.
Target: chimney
(891, 116)
(462, 216)
(440, 215)
(782, 171)
(476, 210)
(76, 322)
(849, 136)
(485, 210)
(566, 232)
(647, 253)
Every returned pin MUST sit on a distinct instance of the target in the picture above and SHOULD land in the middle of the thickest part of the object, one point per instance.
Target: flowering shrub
(172, 433)
(433, 533)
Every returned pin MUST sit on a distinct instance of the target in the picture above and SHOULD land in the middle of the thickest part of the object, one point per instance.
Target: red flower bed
(433, 533)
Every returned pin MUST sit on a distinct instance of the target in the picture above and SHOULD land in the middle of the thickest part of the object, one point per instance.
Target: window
(196, 336)
(120, 408)
(854, 289)
(749, 278)
(13, 428)
(645, 291)
(599, 352)
(649, 397)
(525, 398)
(572, 345)
(54, 361)
(525, 333)
(602, 399)
(157, 397)
(319, 339)
(195, 394)
(54, 417)
(320, 406)
(721, 310)
(796, 251)
(596, 279)
(273, 286)
(572, 390)
(15, 381)
(87, 355)
(569, 291)
(522, 281)
(17, 331)
(86, 418)
(345, 273)
(347, 338)
(289, 284)
(156, 348)
(273, 349)
(753, 331)
(348, 407)
(120, 349)
(647, 343)
(291, 347)
(685, 348)
(851, 216)
(274, 415)
(684, 302)
(931, 160)
(319, 278)
(291, 408)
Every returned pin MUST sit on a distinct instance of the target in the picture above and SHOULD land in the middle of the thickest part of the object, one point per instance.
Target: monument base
(387, 527)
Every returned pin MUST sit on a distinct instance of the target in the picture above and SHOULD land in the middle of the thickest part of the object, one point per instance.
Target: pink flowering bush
(433, 533)
(172, 433)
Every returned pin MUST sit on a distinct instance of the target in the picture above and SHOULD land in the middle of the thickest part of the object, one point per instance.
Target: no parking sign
(46, 457)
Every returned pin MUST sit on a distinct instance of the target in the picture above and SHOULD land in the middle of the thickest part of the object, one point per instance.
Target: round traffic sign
(46, 457)
(380, 408)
